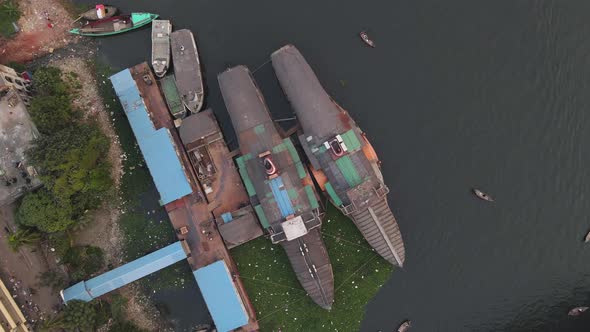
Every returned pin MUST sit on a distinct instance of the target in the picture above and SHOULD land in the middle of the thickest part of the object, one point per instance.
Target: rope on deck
(355, 272)
(270, 282)
(339, 238)
(262, 65)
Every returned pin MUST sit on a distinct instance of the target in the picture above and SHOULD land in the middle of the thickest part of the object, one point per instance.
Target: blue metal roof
(281, 196)
(221, 296)
(121, 276)
(157, 146)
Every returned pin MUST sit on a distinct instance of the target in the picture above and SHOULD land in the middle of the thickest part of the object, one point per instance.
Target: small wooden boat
(187, 69)
(99, 12)
(114, 25)
(161, 30)
(365, 37)
(404, 326)
(577, 311)
(481, 195)
(587, 238)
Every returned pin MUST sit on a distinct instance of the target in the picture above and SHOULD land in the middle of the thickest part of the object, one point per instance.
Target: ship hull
(339, 151)
(161, 30)
(187, 69)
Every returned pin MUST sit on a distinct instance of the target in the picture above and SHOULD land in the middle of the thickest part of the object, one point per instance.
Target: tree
(73, 165)
(22, 237)
(79, 314)
(42, 211)
(48, 81)
(51, 113)
(84, 261)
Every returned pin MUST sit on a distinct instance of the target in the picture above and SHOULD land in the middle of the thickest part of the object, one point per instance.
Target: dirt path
(19, 271)
(39, 35)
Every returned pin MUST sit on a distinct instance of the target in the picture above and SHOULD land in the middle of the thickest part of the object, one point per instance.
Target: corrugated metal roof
(121, 276)
(221, 296)
(281, 196)
(157, 146)
(349, 171)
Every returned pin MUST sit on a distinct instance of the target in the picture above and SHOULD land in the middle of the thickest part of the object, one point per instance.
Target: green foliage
(280, 301)
(53, 279)
(48, 82)
(51, 113)
(71, 157)
(73, 165)
(9, 12)
(118, 306)
(60, 242)
(41, 210)
(80, 314)
(18, 67)
(84, 261)
(125, 326)
(23, 236)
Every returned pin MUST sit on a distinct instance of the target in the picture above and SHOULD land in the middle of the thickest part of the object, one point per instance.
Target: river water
(457, 94)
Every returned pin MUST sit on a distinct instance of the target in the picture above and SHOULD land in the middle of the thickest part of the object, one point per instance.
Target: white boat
(404, 326)
(481, 195)
(161, 30)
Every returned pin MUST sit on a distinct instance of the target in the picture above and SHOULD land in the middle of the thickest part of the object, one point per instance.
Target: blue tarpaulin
(157, 146)
(222, 298)
(281, 196)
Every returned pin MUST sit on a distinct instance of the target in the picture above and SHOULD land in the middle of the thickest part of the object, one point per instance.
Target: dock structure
(192, 215)
(342, 159)
(279, 186)
(221, 183)
(126, 273)
(11, 317)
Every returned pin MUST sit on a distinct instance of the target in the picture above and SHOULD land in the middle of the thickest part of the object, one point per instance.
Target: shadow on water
(457, 94)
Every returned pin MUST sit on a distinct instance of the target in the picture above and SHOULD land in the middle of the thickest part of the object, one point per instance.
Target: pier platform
(195, 216)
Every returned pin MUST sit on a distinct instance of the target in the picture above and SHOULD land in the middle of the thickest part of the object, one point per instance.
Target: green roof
(259, 129)
(261, 216)
(300, 170)
(247, 182)
(350, 140)
(278, 148)
(349, 171)
(292, 150)
(311, 196)
(335, 199)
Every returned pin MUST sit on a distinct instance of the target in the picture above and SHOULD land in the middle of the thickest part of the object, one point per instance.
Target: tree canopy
(71, 157)
(41, 210)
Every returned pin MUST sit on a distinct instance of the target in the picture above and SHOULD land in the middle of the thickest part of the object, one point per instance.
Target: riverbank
(44, 26)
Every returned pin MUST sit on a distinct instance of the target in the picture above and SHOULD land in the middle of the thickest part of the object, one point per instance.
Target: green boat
(115, 25)
(175, 105)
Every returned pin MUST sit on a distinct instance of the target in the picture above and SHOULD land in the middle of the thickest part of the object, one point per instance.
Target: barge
(279, 186)
(187, 69)
(342, 158)
(161, 30)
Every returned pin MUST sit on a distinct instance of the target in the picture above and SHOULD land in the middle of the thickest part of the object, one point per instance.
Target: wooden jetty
(193, 216)
(187, 69)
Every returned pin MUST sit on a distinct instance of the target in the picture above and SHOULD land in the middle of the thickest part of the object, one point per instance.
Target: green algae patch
(280, 301)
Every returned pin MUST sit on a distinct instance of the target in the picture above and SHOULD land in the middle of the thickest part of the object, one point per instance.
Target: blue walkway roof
(157, 146)
(221, 296)
(121, 276)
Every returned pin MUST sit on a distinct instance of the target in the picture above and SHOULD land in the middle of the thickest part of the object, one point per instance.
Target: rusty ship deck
(196, 213)
(187, 69)
(279, 186)
(340, 153)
